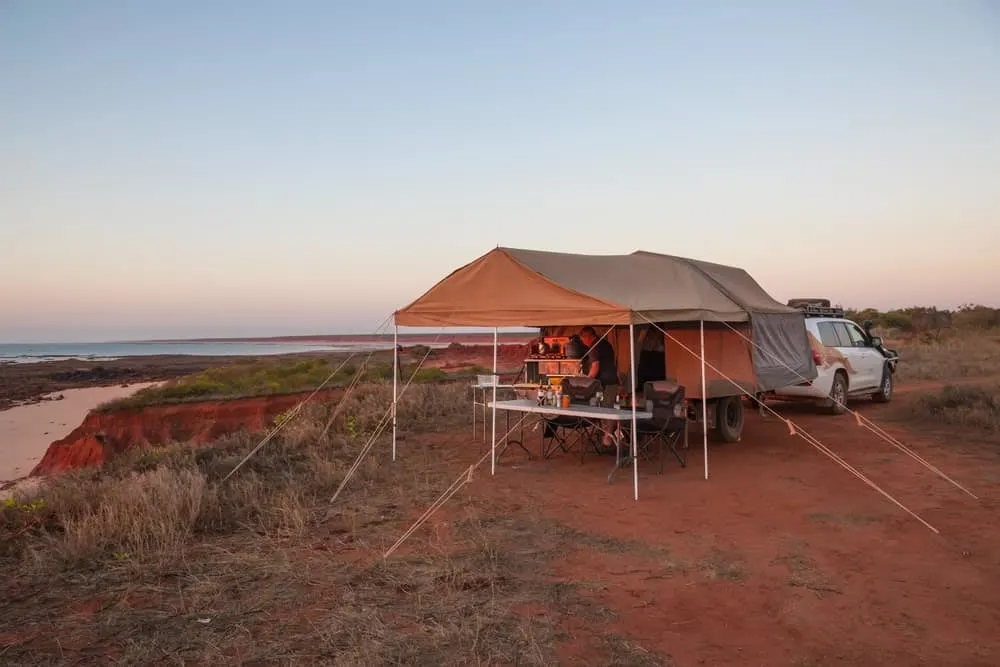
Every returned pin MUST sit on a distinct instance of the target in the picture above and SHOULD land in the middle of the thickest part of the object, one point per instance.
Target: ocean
(20, 353)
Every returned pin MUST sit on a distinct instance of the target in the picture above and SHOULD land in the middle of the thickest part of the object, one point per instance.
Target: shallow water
(35, 352)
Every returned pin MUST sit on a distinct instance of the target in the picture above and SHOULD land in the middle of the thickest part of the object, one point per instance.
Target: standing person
(599, 362)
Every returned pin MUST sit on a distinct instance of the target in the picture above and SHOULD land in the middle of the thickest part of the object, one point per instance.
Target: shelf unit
(536, 368)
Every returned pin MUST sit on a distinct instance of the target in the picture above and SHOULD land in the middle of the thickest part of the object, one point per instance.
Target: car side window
(857, 338)
(845, 339)
(828, 334)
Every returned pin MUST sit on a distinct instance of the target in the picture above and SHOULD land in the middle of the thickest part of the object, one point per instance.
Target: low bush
(919, 319)
(976, 406)
(949, 356)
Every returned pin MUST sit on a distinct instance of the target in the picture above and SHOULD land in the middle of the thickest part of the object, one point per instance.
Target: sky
(180, 168)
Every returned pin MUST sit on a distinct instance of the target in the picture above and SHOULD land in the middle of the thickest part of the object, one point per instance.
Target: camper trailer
(709, 327)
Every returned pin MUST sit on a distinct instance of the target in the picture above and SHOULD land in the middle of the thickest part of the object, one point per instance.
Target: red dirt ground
(781, 557)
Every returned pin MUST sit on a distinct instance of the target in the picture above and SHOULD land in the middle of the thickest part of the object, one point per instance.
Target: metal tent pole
(493, 447)
(395, 375)
(704, 399)
(635, 436)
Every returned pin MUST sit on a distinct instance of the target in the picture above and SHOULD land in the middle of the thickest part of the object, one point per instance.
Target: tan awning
(513, 287)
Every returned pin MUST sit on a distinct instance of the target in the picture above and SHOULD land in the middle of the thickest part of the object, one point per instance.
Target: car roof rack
(816, 307)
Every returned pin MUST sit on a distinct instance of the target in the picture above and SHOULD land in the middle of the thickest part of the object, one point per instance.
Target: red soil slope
(105, 434)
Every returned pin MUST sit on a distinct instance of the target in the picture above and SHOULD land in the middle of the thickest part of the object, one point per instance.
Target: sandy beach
(27, 431)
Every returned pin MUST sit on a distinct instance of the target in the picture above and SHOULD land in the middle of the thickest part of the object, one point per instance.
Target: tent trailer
(721, 335)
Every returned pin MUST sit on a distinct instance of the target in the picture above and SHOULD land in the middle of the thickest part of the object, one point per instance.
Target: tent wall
(782, 355)
(724, 348)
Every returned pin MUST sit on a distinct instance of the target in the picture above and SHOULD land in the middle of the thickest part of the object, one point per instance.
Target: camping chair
(566, 430)
(667, 425)
(564, 433)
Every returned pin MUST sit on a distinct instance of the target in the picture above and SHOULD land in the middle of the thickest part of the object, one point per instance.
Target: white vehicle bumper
(819, 388)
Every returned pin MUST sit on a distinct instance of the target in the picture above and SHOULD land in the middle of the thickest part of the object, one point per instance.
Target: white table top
(592, 412)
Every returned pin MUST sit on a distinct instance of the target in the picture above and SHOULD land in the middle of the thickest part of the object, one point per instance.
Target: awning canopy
(513, 287)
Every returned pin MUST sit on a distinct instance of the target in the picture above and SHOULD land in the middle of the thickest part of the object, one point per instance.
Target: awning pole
(395, 374)
(704, 399)
(635, 399)
(493, 447)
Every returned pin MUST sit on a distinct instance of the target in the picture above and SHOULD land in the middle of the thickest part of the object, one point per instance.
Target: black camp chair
(667, 425)
(564, 433)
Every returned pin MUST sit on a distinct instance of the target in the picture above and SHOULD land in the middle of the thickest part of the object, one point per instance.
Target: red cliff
(105, 434)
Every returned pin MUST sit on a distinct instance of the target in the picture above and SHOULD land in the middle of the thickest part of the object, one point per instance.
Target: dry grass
(949, 356)
(625, 653)
(152, 559)
(972, 406)
(803, 572)
(727, 565)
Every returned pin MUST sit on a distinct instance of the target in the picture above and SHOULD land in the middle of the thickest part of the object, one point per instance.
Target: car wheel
(838, 394)
(884, 393)
(729, 418)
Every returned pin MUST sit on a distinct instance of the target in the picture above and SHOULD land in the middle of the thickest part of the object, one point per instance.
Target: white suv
(849, 360)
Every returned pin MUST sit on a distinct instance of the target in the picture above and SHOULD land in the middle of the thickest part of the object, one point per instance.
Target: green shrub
(429, 375)
(253, 378)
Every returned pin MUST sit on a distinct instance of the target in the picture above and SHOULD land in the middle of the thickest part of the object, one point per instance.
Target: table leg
(508, 441)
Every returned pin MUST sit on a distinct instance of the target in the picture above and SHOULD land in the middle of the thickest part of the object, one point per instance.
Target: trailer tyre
(729, 418)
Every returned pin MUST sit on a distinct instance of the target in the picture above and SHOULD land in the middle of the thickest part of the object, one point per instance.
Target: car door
(835, 338)
(866, 360)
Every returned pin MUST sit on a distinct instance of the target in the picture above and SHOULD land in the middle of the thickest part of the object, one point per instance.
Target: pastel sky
(181, 168)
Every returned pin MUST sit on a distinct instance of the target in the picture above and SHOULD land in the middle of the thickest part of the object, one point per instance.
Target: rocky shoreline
(24, 384)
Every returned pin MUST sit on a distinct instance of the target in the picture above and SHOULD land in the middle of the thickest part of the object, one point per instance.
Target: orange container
(565, 400)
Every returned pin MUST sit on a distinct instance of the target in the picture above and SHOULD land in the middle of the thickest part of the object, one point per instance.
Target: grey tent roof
(662, 287)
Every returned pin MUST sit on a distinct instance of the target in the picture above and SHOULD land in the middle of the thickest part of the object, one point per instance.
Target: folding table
(586, 412)
(483, 384)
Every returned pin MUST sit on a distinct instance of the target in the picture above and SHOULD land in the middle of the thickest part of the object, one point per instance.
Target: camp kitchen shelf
(535, 368)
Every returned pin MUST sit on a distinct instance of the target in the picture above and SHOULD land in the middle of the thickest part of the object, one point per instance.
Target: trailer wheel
(729, 418)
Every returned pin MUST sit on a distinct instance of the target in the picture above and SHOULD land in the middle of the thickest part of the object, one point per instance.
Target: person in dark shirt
(599, 362)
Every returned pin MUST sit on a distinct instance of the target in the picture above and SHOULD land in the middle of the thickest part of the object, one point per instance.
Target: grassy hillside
(264, 377)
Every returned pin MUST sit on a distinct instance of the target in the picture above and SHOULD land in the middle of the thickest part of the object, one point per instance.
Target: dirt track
(782, 557)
